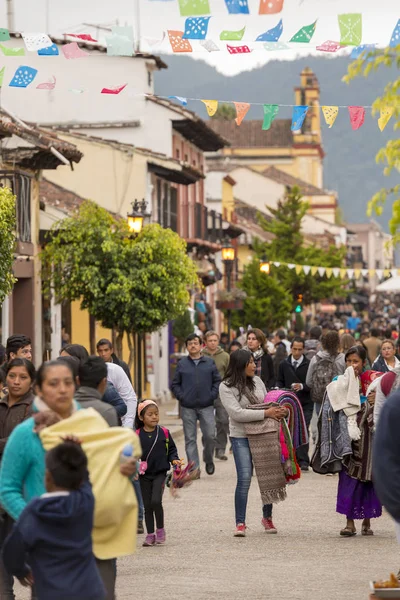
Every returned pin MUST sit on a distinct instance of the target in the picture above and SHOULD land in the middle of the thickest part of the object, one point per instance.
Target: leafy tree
(8, 225)
(389, 156)
(225, 112)
(182, 327)
(130, 284)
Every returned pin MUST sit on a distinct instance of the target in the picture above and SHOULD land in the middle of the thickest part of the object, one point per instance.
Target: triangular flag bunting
(272, 35)
(12, 51)
(299, 114)
(177, 43)
(350, 26)
(384, 119)
(350, 273)
(115, 90)
(211, 106)
(379, 273)
(4, 35)
(210, 46)
(237, 7)
(238, 49)
(330, 113)
(47, 85)
(196, 28)
(50, 51)
(180, 99)
(321, 271)
(386, 273)
(306, 269)
(277, 264)
(232, 35)
(314, 271)
(23, 77)
(241, 111)
(371, 273)
(291, 265)
(393, 272)
(336, 272)
(394, 40)
(2, 71)
(357, 273)
(329, 272)
(299, 269)
(270, 112)
(194, 8)
(357, 115)
(329, 46)
(364, 272)
(304, 34)
(273, 46)
(270, 7)
(72, 51)
(36, 41)
(343, 273)
(364, 49)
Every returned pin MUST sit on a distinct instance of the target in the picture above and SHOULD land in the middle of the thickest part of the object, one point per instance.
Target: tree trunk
(118, 343)
(131, 349)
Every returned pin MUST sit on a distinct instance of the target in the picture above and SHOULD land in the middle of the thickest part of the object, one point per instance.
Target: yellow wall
(228, 200)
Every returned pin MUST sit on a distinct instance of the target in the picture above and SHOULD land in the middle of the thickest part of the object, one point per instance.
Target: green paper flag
(270, 112)
(304, 34)
(232, 35)
(12, 51)
(4, 35)
(2, 71)
(193, 8)
(350, 26)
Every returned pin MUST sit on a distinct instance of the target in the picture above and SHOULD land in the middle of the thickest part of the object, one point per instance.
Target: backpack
(165, 432)
(324, 371)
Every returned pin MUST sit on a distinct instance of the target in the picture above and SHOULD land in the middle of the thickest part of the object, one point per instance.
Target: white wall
(255, 189)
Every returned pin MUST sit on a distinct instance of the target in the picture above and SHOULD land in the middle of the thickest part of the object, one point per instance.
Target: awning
(181, 174)
(390, 285)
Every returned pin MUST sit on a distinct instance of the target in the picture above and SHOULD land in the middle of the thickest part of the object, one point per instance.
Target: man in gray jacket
(93, 383)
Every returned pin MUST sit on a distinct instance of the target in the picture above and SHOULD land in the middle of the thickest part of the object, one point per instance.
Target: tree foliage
(225, 112)
(182, 327)
(389, 156)
(271, 298)
(8, 225)
(130, 284)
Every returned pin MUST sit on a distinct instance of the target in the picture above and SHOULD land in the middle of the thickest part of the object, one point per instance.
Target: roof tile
(251, 135)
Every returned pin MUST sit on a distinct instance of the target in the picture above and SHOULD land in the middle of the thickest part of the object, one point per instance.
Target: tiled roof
(285, 179)
(251, 135)
(59, 197)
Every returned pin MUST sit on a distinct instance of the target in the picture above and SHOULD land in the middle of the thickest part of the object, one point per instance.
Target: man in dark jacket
(292, 376)
(106, 351)
(280, 350)
(195, 386)
(93, 380)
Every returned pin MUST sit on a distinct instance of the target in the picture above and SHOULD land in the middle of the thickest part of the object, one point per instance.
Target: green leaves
(130, 284)
(7, 241)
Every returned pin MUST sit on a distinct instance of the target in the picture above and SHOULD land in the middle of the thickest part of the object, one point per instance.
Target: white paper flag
(291, 266)
(210, 46)
(364, 272)
(306, 269)
(350, 273)
(277, 264)
(379, 272)
(321, 271)
(336, 271)
(36, 41)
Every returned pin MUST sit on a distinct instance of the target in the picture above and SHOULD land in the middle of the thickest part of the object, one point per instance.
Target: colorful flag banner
(47, 85)
(114, 90)
(336, 272)
(72, 51)
(363, 49)
(36, 41)
(272, 35)
(343, 273)
(350, 26)
(306, 269)
(328, 272)
(2, 71)
(120, 42)
(330, 113)
(196, 28)
(4, 35)
(50, 51)
(270, 7)
(395, 39)
(177, 43)
(272, 46)
(12, 51)
(238, 49)
(357, 115)
(180, 99)
(86, 37)
(384, 119)
(232, 35)
(329, 46)
(299, 114)
(304, 34)
(194, 8)
(314, 271)
(298, 269)
(270, 112)
(23, 77)
(237, 7)
(211, 106)
(210, 46)
(321, 271)
(242, 109)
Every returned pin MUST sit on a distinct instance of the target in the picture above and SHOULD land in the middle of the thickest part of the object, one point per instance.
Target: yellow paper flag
(314, 270)
(384, 119)
(386, 273)
(211, 106)
(343, 273)
(330, 113)
(328, 272)
(299, 269)
(371, 272)
(357, 273)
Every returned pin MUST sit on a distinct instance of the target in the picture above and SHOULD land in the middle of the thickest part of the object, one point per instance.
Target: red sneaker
(269, 526)
(240, 530)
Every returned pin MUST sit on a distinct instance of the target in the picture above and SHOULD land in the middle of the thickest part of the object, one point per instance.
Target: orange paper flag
(241, 111)
(177, 43)
(270, 7)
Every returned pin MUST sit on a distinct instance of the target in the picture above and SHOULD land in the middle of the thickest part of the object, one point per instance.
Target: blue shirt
(353, 323)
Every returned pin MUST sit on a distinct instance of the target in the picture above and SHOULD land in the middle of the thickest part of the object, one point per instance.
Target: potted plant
(232, 300)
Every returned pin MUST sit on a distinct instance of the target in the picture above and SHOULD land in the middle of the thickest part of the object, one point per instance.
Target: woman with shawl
(256, 343)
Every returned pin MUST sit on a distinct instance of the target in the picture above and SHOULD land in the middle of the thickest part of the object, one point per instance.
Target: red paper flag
(357, 115)
(270, 7)
(241, 111)
(114, 90)
(177, 43)
(238, 49)
(82, 36)
(329, 46)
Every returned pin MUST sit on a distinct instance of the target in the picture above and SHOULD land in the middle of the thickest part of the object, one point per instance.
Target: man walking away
(373, 345)
(106, 351)
(292, 376)
(120, 381)
(221, 359)
(313, 345)
(93, 383)
(281, 351)
(195, 386)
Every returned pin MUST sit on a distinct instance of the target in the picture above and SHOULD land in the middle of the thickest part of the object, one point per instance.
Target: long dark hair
(76, 350)
(235, 375)
(22, 362)
(359, 350)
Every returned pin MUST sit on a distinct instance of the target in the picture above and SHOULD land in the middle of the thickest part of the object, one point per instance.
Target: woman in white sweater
(238, 389)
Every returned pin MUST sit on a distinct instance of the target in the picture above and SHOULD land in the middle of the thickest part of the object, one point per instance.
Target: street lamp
(228, 258)
(137, 216)
(265, 266)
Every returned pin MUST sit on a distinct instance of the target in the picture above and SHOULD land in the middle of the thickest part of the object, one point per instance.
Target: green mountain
(349, 165)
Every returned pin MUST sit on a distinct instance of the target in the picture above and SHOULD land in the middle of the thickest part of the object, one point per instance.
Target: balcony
(20, 185)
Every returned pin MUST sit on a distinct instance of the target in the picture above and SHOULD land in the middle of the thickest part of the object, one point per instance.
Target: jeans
(138, 492)
(206, 417)
(302, 452)
(222, 426)
(108, 573)
(152, 491)
(244, 468)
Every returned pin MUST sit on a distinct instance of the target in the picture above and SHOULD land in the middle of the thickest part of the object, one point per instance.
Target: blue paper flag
(299, 114)
(358, 50)
(180, 99)
(272, 35)
(23, 77)
(50, 51)
(395, 39)
(237, 7)
(196, 28)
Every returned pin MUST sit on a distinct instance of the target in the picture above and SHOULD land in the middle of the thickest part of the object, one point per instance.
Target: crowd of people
(73, 434)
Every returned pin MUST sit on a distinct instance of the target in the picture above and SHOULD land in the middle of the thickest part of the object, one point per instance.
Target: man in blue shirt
(353, 322)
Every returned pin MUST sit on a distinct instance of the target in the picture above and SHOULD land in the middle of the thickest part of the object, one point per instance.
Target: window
(167, 205)
(177, 153)
(20, 185)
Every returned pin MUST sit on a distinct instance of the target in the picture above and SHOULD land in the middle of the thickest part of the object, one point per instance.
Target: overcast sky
(156, 16)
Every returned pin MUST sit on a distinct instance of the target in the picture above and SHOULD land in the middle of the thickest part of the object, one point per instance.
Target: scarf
(45, 417)
(344, 394)
(257, 355)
